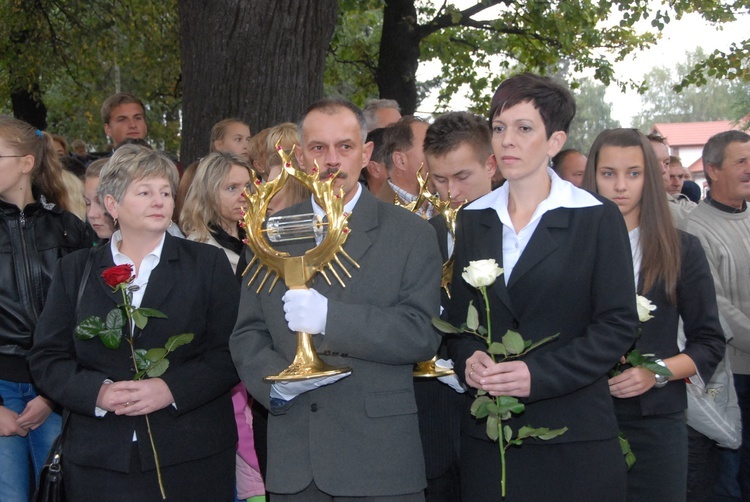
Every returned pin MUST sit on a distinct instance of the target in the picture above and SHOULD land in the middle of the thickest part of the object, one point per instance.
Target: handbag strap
(81, 287)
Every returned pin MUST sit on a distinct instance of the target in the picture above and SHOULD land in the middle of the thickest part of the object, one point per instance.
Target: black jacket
(31, 242)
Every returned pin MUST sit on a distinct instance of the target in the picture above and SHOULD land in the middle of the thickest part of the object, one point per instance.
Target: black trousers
(201, 480)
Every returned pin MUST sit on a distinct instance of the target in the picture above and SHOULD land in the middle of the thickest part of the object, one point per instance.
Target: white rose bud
(481, 273)
(645, 307)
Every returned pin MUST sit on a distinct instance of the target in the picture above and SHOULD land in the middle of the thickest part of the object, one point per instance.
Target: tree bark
(259, 60)
(399, 54)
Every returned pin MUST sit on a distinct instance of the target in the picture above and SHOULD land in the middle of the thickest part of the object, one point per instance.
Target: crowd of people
(580, 237)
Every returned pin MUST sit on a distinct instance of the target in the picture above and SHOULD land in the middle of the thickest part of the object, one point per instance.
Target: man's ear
(712, 171)
(399, 160)
(373, 168)
(107, 130)
(491, 165)
(300, 160)
(367, 153)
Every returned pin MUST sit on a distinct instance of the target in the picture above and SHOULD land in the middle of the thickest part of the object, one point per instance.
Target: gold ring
(472, 365)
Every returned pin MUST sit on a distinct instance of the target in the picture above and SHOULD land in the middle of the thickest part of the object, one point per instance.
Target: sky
(677, 38)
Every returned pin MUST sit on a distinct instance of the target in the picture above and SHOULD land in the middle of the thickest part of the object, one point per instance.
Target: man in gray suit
(354, 435)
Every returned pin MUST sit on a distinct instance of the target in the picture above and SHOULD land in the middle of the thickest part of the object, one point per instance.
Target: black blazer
(194, 286)
(575, 278)
(704, 337)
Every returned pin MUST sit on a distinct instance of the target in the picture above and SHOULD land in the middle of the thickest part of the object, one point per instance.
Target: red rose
(117, 275)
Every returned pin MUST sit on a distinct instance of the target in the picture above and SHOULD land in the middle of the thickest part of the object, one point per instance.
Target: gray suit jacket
(358, 436)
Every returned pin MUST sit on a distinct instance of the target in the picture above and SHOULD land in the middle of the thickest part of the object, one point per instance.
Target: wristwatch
(661, 380)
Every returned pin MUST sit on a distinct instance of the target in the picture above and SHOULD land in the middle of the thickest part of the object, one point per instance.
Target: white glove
(289, 390)
(450, 380)
(305, 310)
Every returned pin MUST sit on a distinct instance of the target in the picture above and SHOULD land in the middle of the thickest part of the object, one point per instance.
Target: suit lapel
(164, 276)
(362, 222)
(102, 262)
(489, 244)
(542, 243)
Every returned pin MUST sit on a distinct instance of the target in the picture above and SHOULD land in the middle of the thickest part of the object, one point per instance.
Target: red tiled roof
(697, 166)
(691, 133)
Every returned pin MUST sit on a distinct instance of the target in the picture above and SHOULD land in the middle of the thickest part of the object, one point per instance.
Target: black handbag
(51, 487)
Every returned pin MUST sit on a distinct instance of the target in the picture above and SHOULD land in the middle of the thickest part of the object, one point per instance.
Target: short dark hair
(554, 102)
(376, 136)
(330, 106)
(451, 130)
(558, 159)
(656, 138)
(115, 100)
(716, 146)
(398, 137)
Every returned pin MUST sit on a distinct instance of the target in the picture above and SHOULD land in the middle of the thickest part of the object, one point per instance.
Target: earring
(115, 222)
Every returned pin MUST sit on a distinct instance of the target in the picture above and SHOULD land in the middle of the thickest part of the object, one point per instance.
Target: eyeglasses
(10, 156)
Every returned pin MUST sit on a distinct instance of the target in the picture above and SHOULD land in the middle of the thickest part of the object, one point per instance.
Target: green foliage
(81, 52)
(479, 46)
(673, 94)
(352, 61)
(153, 362)
(627, 452)
(593, 115)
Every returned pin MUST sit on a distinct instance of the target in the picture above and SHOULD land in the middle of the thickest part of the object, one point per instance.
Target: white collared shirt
(149, 263)
(348, 208)
(562, 194)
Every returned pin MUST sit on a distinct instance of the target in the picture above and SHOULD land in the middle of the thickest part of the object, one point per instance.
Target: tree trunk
(399, 54)
(259, 60)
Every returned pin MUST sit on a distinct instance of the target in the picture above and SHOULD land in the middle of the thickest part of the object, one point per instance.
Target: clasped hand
(631, 382)
(305, 310)
(510, 378)
(135, 397)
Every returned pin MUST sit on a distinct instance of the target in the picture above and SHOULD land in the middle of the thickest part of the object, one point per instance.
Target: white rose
(481, 273)
(645, 307)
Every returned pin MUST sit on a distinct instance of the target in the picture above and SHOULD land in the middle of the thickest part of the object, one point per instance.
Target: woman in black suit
(107, 452)
(567, 270)
(672, 272)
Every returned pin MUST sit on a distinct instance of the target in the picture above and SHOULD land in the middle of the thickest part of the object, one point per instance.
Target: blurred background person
(34, 233)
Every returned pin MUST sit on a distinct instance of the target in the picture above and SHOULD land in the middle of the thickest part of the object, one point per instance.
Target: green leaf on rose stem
(472, 317)
(481, 392)
(480, 406)
(508, 404)
(526, 344)
(482, 331)
(152, 313)
(656, 368)
(141, 362)
(627, 452)
(541, 342)
(139, 319)
(547, 434)
(178, 341)
(158, 368)
(513, 342)
(497, 349)
(507, 433)
(634, 357)
(115, 319)
(525, 432)
(492, 431)
(90, 328)
(111, 337)
(156, 354)
(444, 326)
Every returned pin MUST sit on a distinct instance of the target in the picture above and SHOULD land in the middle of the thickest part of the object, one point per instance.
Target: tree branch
(446, 20)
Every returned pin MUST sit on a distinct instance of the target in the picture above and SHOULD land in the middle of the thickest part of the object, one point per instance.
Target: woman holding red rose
(108, 455)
